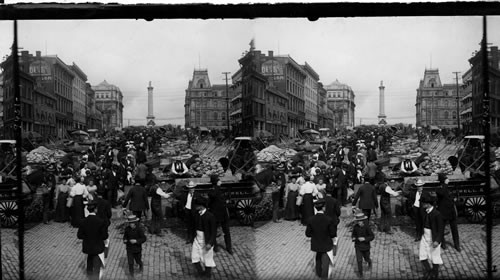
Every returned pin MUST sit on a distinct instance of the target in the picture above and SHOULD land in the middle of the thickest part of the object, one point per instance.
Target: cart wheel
(475, 209)
(245, 209)
(8, 213)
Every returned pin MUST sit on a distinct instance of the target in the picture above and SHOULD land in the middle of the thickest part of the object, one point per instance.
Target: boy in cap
(202, 254)
(432, 237)
(133, 237)
(362, 235)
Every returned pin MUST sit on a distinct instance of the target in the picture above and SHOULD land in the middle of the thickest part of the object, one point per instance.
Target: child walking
(361, 236)
(134, 237)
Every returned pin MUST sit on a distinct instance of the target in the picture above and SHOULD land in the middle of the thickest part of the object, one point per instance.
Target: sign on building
(273, 68)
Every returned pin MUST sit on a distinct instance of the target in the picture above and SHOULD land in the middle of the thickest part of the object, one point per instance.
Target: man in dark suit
(447, 208)
(367, 198)
(112, 182)
(432, 237)
(205, 232)
(417, 211)
(187, 199)
(104, 212)
(93, 231)
(217, 205)
(332, 206)
(138, 198)
(341, 181)
(322, 229)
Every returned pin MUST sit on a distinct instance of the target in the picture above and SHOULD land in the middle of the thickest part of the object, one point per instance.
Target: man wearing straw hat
(187, 199)
(93, 231)
(414, 198)
(323, 232)
(432, 237)
(362, 235)
(133, 237)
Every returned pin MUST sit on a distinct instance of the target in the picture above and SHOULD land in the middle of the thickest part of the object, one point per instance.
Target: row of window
(295, 88)
(439, 114)
(439, 102)
(208, 116)
(440, 93)
(217, 93)
(338, 94)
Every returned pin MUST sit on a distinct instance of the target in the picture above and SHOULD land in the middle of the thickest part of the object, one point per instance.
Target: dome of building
(337, 86)
(104, 85)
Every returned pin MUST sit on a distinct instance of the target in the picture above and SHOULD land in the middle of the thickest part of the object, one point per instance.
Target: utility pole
(227, 103)
(458, 104)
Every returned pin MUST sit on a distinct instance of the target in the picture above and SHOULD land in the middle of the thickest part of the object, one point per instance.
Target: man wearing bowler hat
(432, 237)
(187, 199)
(323, 232)
(157, 194)
(93, 231)
(447, 208)
(414, 198)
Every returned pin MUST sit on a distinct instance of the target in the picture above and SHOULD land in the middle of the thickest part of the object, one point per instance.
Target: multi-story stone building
(478, 90)
(340, 98)
(436, 104)
(311, 97)
(109, 101)
(94, 116)
(79, 98)
(235, 108)
(205, 104)
(322, 107)
(466, 103)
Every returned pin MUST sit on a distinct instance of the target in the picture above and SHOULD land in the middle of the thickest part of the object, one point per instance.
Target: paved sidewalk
(270, 251)
(53, 252)
(283, 252)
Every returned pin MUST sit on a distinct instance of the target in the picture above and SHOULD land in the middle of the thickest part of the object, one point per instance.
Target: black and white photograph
(265, 148)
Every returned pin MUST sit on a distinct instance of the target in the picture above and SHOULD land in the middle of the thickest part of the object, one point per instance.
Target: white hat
(419, 183)
(191, 185)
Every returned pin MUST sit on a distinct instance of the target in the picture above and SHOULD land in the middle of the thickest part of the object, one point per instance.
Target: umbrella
(79, 132)
(311, 131)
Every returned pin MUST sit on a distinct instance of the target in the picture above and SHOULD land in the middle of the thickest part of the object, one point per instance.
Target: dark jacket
(437, 225)
(332, 208)
(217, 204)
(321, 229)
(138, 198)
(340, 178)
(136, 233)
(104, 210)
(140, 156)
(183, 198)
(93, 231)
(367, 197)
(445, 203)
(365, 232)
(112, 181)
(264, 178)
(208, 225)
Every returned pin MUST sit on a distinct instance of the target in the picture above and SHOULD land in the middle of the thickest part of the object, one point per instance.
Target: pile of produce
(206, 166)
(42, 155)
(274, 154)
(173, 148)
(433, 165)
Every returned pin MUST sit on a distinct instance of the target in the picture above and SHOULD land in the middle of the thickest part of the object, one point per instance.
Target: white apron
(426, 251)
(199, 254)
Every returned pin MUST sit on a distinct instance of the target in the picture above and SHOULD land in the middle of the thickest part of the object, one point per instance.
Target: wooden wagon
(9, 214)
(240, 199)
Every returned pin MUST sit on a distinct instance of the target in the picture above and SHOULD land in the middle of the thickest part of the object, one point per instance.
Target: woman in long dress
(61, 198)
(291, 193)
(307, 191)
(78, 193)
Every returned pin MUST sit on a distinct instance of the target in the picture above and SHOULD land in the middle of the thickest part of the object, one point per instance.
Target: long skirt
(62, 213)
(307, 207)
(78, 213)
(291, 209)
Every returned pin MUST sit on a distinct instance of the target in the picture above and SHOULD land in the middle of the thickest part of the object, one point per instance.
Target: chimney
(270, 53)
(38, 53)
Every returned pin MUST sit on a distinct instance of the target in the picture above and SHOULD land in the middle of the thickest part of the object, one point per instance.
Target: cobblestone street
(269, 251)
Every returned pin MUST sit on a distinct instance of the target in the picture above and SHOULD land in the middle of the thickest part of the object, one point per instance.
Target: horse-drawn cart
(9, 214)
(240, 199)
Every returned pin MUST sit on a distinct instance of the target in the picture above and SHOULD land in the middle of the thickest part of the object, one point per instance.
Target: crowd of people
(83, 190)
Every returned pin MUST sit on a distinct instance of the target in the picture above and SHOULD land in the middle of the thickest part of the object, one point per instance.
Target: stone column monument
(381, 114)
(150, 118)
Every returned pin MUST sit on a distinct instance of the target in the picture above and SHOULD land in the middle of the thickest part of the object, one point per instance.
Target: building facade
(109, 101)
(94, 116)
(311, 97)
(436, 104)
(478, 89)
(466, 103)
(205, 104)
(340, 99)
(322, 107)
(235, 115)
(79, 98)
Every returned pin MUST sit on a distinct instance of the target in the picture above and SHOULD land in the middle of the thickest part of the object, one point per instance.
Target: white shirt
(79, 189)
(188, 201)
(390, 191)
(160, 192)
(428, 210)
(308, 187)
(417, 200)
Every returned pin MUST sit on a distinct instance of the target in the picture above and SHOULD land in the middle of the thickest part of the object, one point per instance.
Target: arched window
(454, 115)
(223, 116)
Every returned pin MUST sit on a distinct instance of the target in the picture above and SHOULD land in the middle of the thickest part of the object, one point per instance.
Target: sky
(359, 52)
